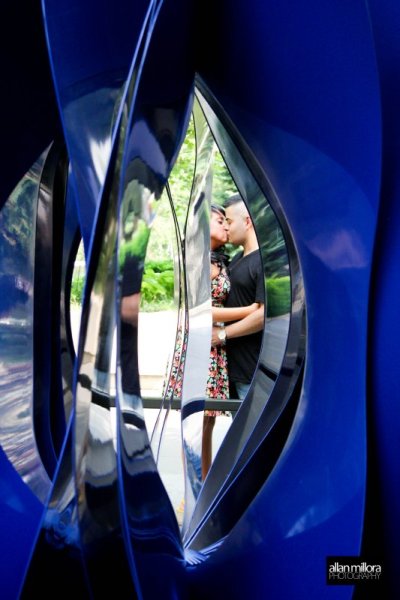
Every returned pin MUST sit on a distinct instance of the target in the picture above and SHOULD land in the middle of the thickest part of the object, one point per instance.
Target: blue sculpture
(302, 100)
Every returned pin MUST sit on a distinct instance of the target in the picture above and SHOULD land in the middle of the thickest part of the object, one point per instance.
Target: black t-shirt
(247, 286)
(131, 281)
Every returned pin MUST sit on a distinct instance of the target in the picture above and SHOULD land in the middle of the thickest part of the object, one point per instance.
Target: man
(243, 338)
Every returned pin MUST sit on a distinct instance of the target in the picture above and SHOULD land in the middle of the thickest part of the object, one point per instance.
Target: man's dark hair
(235, 199)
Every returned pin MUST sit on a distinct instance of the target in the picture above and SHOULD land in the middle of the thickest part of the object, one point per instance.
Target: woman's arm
(234, 313)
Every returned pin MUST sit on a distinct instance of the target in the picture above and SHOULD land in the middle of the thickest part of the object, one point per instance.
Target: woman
(218, 382)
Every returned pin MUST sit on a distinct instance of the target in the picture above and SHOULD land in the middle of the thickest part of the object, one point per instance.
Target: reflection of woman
(217, 382)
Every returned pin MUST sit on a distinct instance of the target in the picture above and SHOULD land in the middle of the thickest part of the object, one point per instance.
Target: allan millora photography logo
(351, 570)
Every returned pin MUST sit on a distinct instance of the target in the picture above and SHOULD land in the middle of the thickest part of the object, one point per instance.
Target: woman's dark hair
(218, 257)
(218, 209)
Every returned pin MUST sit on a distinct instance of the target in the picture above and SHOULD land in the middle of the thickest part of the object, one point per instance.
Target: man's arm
(250, 324)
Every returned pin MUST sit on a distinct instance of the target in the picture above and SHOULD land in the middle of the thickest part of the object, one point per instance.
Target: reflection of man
(244, 337)
(130, 300)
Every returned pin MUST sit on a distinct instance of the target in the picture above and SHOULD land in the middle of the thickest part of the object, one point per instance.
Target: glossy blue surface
(24, 480)
(309, 94)
(314, 126)
(385, 324)
(90, 63)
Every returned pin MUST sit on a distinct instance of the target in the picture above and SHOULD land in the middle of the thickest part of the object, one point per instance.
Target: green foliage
(159, 266)
(157, 291)
(278, 296)
(223, 184)
(78, 277)
(77, 285)
(181, 176)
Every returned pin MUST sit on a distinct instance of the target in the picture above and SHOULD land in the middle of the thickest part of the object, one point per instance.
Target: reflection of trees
(272, 242)
(272, 245)
(273, 249)
(181, 177)
(17, 225)
(278, 296)
(223, 184)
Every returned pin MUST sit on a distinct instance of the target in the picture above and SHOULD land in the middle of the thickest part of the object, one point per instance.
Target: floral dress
(217, 381)
(175, 382)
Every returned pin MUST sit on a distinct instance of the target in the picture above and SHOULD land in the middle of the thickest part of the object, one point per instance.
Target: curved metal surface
(382, 521)
(313, 500)
(276, 375)
(90, 62)
(109, 514)
(155, 132)
(17, 332)
(48, 401)
(25, 482)
(176, 355)
(197, 266)
(71, 240)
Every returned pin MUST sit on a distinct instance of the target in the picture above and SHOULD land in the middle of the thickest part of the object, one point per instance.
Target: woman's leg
(206, 445)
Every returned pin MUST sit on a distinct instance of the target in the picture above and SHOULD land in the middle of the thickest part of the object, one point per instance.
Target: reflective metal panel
(85, 492)
(178, 321)
(17, 254)
(197, 269)
(120, 512)
(97, 480)
(323, 159)
(69, 323)
(154, 133)
(49, 418)
(383, 383)
(260, 409)
(188, 367)
(308, 93)
(88, 74)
